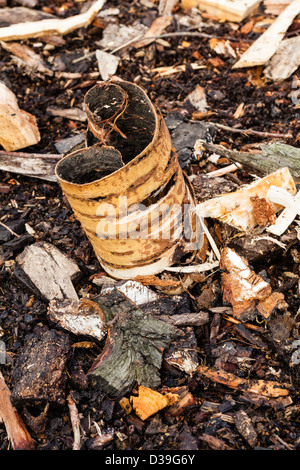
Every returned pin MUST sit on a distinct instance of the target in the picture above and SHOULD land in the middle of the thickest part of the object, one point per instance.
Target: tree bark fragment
(15, 428)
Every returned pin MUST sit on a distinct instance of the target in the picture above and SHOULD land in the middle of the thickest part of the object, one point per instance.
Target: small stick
(252, 132)
(15, 428)
(75, 421)
(288, 446)
(10, 230)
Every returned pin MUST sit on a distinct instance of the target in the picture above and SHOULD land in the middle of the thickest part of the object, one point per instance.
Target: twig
(223, 171)
(252, 132)
(10, 230)
(163, 36)
(77, 75)
(75, 422)
(288, 446)
(160, 36)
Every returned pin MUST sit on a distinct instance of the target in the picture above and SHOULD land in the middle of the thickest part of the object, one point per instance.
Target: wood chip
(16, 431)
(245, 427)
(107, 64)
(197, 99)
(267, 306)
(150, 402)
(242, 288)
(134, 290)
(18, 129)
(266, 45)
(48, 270)
(84, 317)
(40, 370)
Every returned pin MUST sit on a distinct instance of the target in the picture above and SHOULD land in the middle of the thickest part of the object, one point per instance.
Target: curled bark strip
(127, 188)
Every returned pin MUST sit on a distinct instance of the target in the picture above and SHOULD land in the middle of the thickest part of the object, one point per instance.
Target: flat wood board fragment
(224, 10)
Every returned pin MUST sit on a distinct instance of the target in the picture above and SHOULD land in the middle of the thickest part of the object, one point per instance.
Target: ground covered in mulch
(268, 107)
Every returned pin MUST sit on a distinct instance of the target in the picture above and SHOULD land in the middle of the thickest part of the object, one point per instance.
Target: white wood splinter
(292, 209)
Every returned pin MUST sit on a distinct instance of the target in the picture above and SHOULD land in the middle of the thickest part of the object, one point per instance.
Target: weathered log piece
(134, 346)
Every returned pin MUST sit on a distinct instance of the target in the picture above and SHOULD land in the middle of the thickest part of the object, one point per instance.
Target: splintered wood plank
(33, 29)
(266, 45)
(224, 10)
